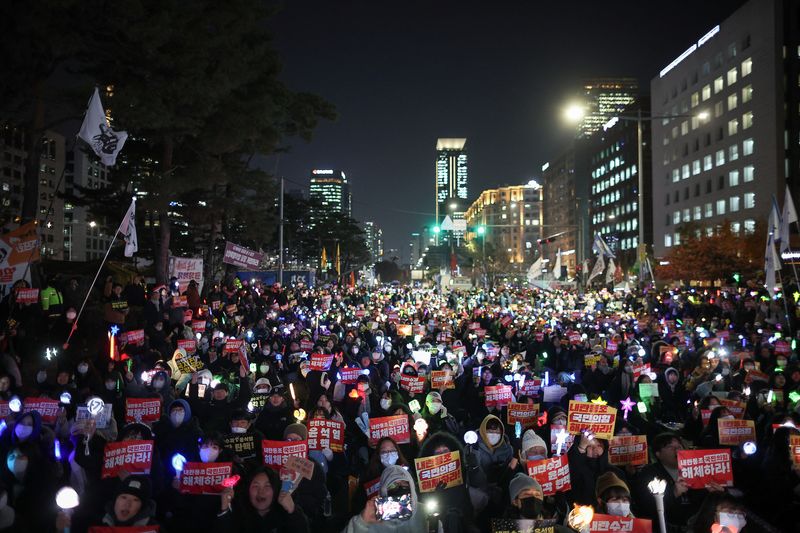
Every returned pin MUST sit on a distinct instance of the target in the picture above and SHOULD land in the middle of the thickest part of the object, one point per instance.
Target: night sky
(402, 74)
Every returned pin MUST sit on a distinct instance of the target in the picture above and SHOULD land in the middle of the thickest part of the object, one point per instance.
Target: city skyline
(502, 90)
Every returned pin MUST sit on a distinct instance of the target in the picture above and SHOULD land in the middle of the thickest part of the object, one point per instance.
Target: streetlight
(574, 112)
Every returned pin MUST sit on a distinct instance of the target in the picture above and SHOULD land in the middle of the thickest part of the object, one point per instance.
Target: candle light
(657, 487)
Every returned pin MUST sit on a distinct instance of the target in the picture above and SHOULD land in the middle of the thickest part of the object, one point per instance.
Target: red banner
(321, 362)
(735, 432)
(142, 410)
(47, 408)
(611, 347)
(188, 345)
(372, 487)
(442, 378)
(324, 433)
(601, 523)
(794, 446)
(638, 370)
(233, 345)
(132, 456)
(198, 326)
(497, 395)
(135, 337)
(349, 376)
(443, 469)
(782, 348)
(306, 345)
(705, 416)
(395, 427)
(599, 419)
(275, 452)
(701, 467)
(241, 257)
(735, 408)
(413, 384)
(27, 296)
(574, 338)
(624, 450)
(531, 387)
(204, 478)
(552, 474)
(524, 413)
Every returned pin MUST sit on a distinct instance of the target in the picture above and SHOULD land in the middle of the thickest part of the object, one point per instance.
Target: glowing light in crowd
(67, 498)
(627, 405)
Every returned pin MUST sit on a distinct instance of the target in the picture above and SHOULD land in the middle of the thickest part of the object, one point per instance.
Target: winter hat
(297, 429)
(433, 396)
(607, 481)
(554, 411)
(531, 440)
(522, 482)
(138, 486)
(263, 383)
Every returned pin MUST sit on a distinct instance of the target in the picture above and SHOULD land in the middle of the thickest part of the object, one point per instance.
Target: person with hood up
(176, 432)
(673, 396)
(260, 504)
(492, 454)
(30, 480)
(436, 415)
(395, 482)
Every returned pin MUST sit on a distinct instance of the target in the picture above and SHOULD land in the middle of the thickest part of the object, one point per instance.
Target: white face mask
(618, 508)
(434, 407)
(208, 455)
(83, 368)
(176, 417)
(732, 520)
(389, 458)
(23, 432)
(264, 369)
(355, 350)
(385, 403)
(494, 438)
(238, 429)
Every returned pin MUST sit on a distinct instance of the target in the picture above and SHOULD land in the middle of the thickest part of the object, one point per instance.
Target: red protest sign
(180, 301)
(531, 387)
(552, 474)
(638, 370)
(442, 378)
(204, 478)
(360, 313)
(349, 376)
(611, 347)
(701, 467)
(480, 332)
(27, 296)
(628, 450)
(794, 448)
(372, 487)
(474, 325)
(705, 416)
(188, 345)
(568, 440)
(443, 469)
(392, 316)
(47, 408)
(324, 433)
(539, 336)
(782, 348)
(5, 410)
(233, 345)
(275, 452)
(413, 384)
(306, 345)
(231, 309)
(198, 326)
(524, 413)
(321, 362)
(132, 456)
(497, 395)
(574, 337)
(142, 410)
(735, 432)
(599, 419)
(505, 321)
(395, 427)
(723, 334)
(135, 337)
(601, 523)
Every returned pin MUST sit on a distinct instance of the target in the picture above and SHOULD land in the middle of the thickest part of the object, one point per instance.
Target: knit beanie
(607, 481)
(531, 440)
(521, 482)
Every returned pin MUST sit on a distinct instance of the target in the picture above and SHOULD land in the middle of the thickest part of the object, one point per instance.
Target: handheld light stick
(657, 487)
(561, 438)
(178, 462)
(580, 518)
(67, 500)
(421, 427)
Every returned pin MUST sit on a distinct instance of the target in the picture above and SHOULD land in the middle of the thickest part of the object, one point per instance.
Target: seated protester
(723, 510)
(176, 432)
(493, 453)
(275, 416)
(680, 502)
(310, 494)
(588, 459)
(28, 429)
(436, 415)
(709, 438)
(453, 504)
(673, 396)
(387, 453)
(30, 480)
(526, 497)
(613, 496)
(244, 441)
(132, 506)
(259, 505)
(395, 482)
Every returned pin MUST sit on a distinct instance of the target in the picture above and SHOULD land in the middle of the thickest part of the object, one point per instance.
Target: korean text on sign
(599, 419)
(324, 433)
(552, 474)
(524, 413)
(602, 523)
(275, 452)
(389, 426)
(47, 408)
(443, 469)
(413, 384)
(204, 478)
(735, 432)
(498, 395)
(321, 362)
(701, 467)
(628, 450)
(132, 456)
(142, 410)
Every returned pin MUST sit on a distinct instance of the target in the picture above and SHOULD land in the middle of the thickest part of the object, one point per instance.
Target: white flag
(535, 270)
(599, 266)
(128, 230)
(599, 246)
(788, 215)
(557, 265)
(774, 221)
(772, 264)
(610, 272)
(95, 130)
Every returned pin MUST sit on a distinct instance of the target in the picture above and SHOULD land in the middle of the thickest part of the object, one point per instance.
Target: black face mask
(531, 507)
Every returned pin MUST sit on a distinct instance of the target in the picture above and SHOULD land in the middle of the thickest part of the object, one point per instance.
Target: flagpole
(97, 274)
(785, 304)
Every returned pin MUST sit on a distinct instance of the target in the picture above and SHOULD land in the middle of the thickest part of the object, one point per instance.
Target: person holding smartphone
(394, 509)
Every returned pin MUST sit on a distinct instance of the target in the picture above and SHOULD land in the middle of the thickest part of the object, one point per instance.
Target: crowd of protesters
(230, 375)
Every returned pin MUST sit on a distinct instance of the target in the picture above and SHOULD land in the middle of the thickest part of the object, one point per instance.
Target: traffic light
(481, 230)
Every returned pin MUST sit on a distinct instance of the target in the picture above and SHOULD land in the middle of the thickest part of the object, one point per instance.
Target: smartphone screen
(393, 508)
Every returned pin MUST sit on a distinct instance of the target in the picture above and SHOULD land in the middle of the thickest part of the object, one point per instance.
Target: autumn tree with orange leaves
(703, 257)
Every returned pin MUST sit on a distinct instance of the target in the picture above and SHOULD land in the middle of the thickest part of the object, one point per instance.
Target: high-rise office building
(331, 189)
(603, 98)
(373, 235)
(725, 140)
(451, 179)
(512, 221)
(85, 237)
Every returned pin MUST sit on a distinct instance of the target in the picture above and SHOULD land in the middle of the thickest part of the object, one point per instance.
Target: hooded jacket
(181, 439)
(492, 459)
(415, 524)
